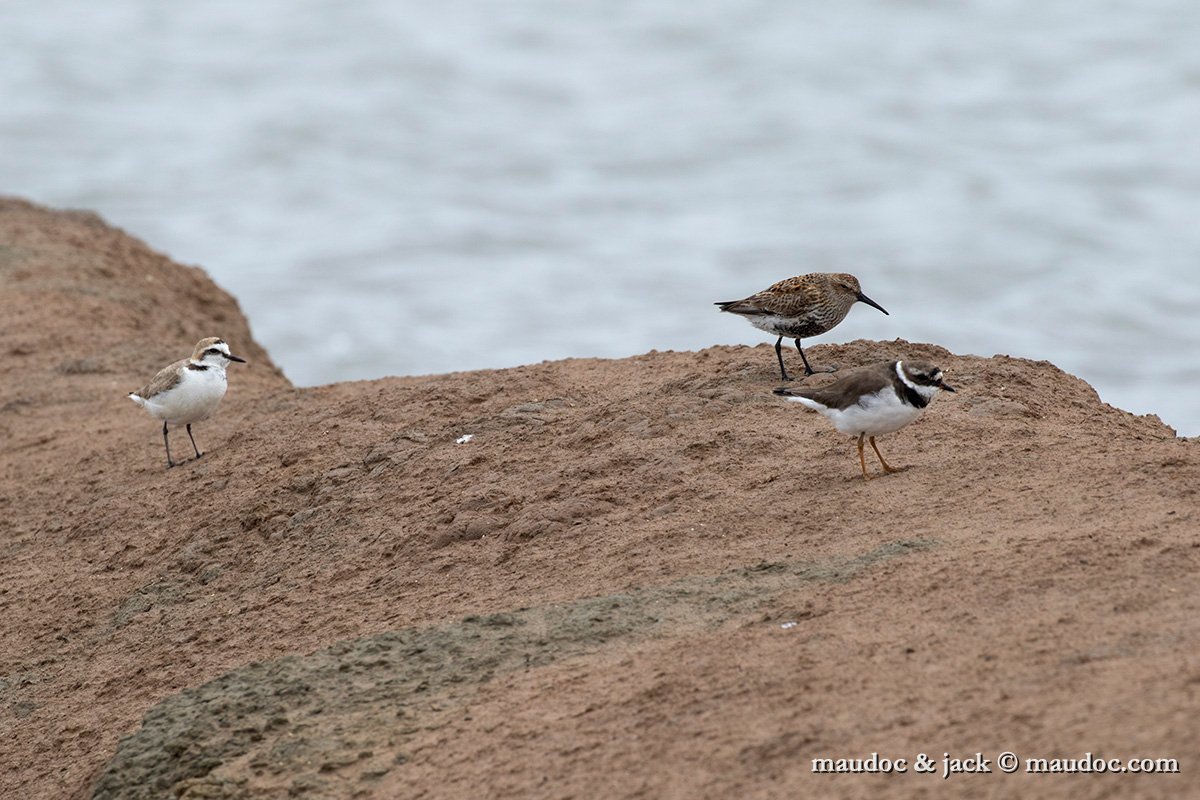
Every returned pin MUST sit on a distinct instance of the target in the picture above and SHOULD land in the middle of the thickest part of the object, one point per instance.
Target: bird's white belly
(193, 399)
(874, 415)
(776, 326)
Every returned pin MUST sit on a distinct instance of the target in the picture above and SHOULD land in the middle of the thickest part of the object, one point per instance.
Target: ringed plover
(874, 400)
(189, 390)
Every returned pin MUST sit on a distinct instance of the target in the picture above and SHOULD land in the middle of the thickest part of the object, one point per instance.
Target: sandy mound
(640, 578)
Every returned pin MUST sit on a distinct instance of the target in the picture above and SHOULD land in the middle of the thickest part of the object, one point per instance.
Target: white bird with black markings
(189, 390)
(874, 400)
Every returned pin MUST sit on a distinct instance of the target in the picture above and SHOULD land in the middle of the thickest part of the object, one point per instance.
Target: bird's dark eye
(214, 351)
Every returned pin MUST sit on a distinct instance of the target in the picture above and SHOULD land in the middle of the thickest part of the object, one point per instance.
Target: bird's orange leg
(886, 466)
(861, 458)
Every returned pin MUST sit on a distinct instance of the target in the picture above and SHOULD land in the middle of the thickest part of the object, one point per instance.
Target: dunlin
(807, 305)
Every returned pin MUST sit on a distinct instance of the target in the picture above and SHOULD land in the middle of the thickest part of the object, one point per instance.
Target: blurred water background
(411, 186)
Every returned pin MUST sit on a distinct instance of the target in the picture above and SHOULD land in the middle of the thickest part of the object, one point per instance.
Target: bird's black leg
(167, 442)
(807, 369)
(197, 449)
(779, 355)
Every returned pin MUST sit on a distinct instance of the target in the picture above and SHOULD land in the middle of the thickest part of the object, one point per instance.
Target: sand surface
(639, 578)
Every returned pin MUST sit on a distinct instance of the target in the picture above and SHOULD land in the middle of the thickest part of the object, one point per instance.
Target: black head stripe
(910, 395)
(915, 398)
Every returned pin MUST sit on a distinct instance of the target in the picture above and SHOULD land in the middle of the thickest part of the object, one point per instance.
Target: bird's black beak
(232, 357)
(862, 298)
(946, 386)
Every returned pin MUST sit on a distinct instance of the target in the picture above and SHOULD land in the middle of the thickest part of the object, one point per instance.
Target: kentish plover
(189, 390)
(807, 305)
(874, 400)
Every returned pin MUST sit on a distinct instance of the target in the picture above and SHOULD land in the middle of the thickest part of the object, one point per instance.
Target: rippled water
(411, 187)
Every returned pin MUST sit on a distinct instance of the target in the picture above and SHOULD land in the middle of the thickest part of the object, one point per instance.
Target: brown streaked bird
(188, 390)
(874, 400)
(796, 308)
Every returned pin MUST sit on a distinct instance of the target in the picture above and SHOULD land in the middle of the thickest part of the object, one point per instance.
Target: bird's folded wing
(167, 378)
(846, 392)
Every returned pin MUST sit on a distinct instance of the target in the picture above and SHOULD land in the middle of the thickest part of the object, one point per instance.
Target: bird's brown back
(815, 302)
(845, 392)
(166, 378)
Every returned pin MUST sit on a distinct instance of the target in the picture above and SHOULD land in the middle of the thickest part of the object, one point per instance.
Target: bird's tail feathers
(796, 397)
(739, 307)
